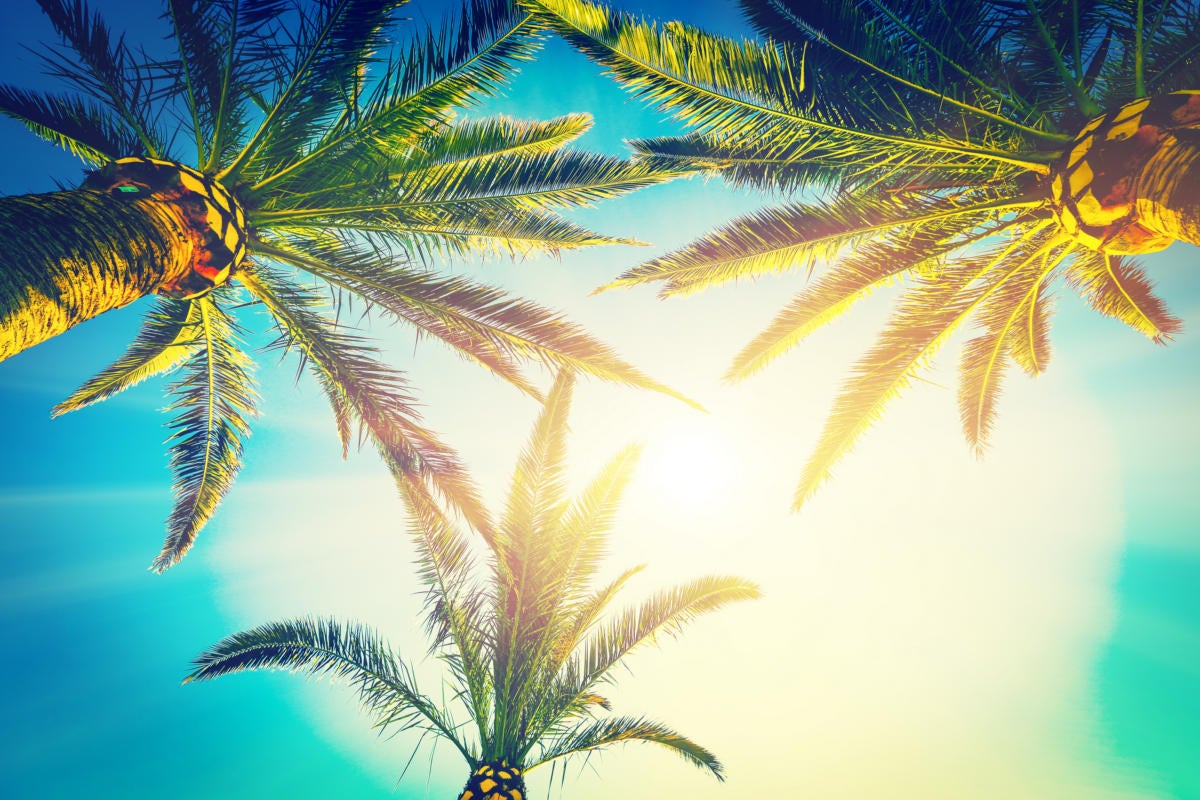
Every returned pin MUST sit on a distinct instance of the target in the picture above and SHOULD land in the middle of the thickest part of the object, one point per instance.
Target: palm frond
(746, 90)
(170, 333)
(985, 357)
(926, 317)
(103, 68)
(1029, 343)
(544, 181)
(472, 140)
(335, 41)
(455, 613)
(798, 235)
(327, 648)
(480, 322)
(83, 129)
(447, 231)
(459, 64)
(226, 49)
(617, 730)
(359, 385)
(215, 399)
(871, 266)
(537, 495)
(1121, 291)
(663, 614)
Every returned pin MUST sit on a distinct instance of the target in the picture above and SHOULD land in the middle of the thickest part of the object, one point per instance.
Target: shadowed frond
(608, 732)
(336, 39)
(83, 129)
(169, 334)
(327, 648)
(744, 90)
(103, 68)
(215, 400)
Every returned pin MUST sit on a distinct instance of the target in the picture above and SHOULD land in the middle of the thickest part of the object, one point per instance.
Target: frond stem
(1085, 102)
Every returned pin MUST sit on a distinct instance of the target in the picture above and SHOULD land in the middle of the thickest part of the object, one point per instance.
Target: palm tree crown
(318, 168)
(526, 640)
(978, 151)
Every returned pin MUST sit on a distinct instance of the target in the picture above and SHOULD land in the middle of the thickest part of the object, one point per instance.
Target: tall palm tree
(979, 151)
(314, 167)
(525, 639)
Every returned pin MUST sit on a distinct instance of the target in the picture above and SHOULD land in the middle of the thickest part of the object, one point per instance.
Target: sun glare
(690, 464)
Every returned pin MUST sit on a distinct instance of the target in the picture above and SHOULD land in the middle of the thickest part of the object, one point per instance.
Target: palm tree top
(526, 636)
(976, 152)
(317, 162)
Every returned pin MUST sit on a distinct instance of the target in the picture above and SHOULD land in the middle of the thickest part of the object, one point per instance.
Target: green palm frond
(335, 40)
(81, 128)
(470, 141)
(452, 67)
(746, 90)
(442, 231)
(169, 334)
(544, 181)
(617, 730)
(327, 648)
(215, 400)
(102, 68)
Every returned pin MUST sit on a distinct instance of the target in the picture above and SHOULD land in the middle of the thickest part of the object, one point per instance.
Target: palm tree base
(494, 780)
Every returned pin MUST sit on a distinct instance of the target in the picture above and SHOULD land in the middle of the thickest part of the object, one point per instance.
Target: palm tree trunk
(66, 257)
(1168, 188)
(495, 780)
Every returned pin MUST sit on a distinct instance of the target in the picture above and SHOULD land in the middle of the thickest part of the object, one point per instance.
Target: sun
(690, 463)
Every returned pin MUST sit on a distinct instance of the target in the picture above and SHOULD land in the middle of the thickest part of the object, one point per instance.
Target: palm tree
(316, 168)
(525, 639)
(977, 151)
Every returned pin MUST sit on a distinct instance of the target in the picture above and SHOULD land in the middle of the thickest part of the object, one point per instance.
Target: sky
(933, 625)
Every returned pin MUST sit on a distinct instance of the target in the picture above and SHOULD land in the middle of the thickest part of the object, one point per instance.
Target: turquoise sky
(933, 626)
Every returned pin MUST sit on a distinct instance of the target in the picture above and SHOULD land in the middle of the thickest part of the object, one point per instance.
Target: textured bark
(66, 257)
(1130, 182)
(1168, 188)
(495, 780)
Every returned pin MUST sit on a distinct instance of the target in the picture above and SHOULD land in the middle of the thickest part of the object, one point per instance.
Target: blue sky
(933, 626)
